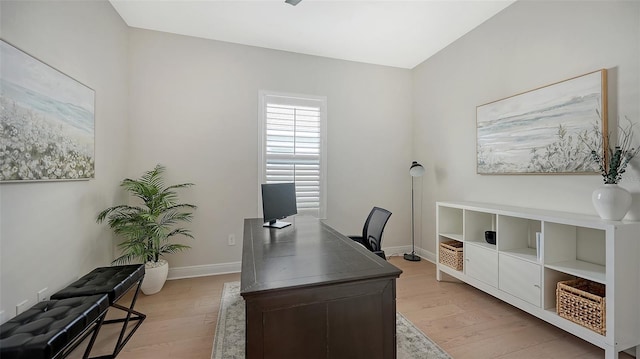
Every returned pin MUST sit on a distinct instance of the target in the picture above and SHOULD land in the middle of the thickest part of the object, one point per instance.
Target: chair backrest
(373, 228)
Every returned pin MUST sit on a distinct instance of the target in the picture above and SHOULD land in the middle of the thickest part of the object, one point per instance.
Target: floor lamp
(416, 170)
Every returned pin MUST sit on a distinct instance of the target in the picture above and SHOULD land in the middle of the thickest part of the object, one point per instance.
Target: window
(292, 134)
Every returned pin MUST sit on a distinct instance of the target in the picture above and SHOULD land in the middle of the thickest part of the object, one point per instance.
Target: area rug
(229, 339)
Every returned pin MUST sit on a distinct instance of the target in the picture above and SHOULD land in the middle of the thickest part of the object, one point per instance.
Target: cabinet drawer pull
(537, 286)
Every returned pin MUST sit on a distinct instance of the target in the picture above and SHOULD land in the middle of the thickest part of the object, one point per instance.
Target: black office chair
(372, 232)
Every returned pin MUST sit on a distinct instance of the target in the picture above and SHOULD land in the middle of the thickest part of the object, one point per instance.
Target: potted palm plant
(148, 227)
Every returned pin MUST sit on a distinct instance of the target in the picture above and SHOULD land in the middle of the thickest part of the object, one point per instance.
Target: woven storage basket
(582, 302)
(451, 254)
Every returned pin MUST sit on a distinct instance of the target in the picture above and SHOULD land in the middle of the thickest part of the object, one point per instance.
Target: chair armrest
(360, 240)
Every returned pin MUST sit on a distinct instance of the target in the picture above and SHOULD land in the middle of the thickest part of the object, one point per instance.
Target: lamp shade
(416, 169)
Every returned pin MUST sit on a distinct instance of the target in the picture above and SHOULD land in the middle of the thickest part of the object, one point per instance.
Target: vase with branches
(614, 163)
(148, 227)
(611, 201)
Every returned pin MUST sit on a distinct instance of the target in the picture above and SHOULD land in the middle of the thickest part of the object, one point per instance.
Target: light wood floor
(464, 321)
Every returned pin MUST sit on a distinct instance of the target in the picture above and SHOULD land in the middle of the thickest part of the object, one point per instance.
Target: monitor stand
(276, 224)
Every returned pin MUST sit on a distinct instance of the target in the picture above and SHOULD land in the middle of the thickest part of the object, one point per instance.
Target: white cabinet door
(481, 263)
(520, 278)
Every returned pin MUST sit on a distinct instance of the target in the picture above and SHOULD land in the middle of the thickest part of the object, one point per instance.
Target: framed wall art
(551, 129)
(46, 122)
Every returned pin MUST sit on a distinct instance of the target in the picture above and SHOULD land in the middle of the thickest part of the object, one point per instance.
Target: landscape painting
(548, 130)
(46, 122)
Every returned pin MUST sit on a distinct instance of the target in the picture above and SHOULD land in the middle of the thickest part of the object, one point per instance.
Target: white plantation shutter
(292, 132)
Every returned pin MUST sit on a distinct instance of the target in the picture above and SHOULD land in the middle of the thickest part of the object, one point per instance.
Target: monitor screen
(278, 202)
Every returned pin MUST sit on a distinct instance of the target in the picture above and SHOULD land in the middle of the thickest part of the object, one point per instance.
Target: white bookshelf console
(524, 274)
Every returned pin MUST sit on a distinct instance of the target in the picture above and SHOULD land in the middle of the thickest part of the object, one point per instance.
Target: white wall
(194, 108)
(190, 104)
(48, 233)
(528, 45)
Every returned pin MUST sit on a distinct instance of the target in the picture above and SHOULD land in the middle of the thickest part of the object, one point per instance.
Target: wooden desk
(311, 292)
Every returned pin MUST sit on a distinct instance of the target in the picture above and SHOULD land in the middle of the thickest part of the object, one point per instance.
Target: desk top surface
(306, 253)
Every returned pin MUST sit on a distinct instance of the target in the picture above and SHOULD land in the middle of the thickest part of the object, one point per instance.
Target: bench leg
(87, 351)
(132, 315)
(93, 328)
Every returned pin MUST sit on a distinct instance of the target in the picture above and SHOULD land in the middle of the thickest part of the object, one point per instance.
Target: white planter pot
(611, 201)
(155, 274)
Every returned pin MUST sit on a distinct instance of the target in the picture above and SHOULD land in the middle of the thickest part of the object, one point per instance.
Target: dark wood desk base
(352, 320)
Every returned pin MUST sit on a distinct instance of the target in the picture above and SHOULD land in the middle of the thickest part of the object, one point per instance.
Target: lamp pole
(416, 170)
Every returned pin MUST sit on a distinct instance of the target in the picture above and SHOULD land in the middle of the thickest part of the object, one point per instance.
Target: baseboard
(430, 256)
(633, 351)
(401, 250)
(203, 270)
(396, 251)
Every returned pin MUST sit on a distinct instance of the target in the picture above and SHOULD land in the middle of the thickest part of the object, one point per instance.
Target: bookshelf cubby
(524, 271)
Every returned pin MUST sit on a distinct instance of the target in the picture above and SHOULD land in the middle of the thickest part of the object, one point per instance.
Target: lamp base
(411, 257)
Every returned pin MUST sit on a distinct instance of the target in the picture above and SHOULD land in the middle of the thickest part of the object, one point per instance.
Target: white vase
(155, 274)
(611, 201)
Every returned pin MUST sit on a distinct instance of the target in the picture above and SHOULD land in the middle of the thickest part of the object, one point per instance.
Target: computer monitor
(278, 202)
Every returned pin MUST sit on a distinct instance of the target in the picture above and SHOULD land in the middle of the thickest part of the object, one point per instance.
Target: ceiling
(393, 33)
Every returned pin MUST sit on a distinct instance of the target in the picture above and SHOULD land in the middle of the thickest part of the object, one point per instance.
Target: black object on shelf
(490, 237)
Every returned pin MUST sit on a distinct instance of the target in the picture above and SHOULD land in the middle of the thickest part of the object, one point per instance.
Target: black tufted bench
(52, 329)
(114, 282)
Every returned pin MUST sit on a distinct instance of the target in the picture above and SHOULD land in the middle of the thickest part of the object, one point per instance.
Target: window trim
(293, 99)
